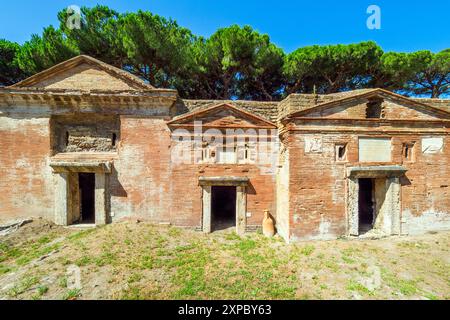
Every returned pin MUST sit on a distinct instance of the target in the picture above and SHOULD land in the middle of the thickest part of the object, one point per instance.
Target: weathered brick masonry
(318, 188)
(346, 161)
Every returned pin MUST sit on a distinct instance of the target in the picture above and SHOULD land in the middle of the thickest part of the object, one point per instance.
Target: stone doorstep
(80, 226)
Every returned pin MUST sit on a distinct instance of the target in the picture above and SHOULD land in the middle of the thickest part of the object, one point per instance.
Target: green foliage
(158, 49)
(234, 62)
(307, 250)
(331, 68)
(72, 294)
(9, 70)
(358, 287)
(42, 52)
(241, 62)
(97, 36)
(419, 73)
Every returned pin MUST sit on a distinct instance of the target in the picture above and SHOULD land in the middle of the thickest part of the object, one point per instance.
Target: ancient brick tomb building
(84, 142)
(362, 160)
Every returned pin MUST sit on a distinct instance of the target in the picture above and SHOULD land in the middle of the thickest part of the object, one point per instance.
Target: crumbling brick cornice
(66, 100)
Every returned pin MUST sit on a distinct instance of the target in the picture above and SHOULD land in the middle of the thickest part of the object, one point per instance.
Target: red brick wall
(26, 182)
(187, 201)
(318, 183)
(356, 109)
(140, 182)
(146, 182)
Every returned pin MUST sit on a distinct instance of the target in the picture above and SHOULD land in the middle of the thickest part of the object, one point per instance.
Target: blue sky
(406, 25)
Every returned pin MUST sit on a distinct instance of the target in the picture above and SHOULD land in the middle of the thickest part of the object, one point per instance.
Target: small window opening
(205, 151)
(246, 151)
(374, 109)
(227, 154)
(114, 138)
(341, 152)
(67, 138)
(408, 151)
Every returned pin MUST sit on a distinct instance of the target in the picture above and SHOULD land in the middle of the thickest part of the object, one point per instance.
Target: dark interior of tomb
(365, 205)
(223, 207)
(87, 197)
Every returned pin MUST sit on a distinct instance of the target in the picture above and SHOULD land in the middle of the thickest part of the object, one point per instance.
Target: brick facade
(85, 116)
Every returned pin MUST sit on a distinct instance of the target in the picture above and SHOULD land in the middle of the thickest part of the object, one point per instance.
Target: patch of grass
(161, 241)
(246, 245)
(184, 247)
(253, 258)
(42, 289)
(232, 236)
(405, 287)
(44, 240)
(307, 250)
(4, 269)
(332, 265)
(107, 258)
(281, 291)
(135, 277)
(430, 296)
(358, 287)
(83, 261)
(348, 260)
(189, 276)
(132, 293)
(80, 235)
(35, 252)
(13, 253)
(62, 282)
(174, 232)
(3, 247)
(72, 294)
(24, 285)
(147, 262)
(348, 255)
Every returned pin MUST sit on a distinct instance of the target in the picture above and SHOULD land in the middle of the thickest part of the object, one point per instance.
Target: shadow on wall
(250, 189)
(404, 181)
(115, 190)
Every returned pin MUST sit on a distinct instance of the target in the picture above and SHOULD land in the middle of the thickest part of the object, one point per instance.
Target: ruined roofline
(216, 101)
(264, 109)
(126, 76)
(36, 90)
(102, 100)
(352, 95)
(201, 111)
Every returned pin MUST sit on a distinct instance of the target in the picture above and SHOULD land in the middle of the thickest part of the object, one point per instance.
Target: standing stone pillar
(100, 198)
(73, 214)
(61, 198)
(352, 207)
(388, 205)
(395, 188)
(241, 208)
(206, 200)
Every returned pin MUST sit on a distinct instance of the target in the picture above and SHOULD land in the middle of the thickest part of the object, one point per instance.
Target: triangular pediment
(393, 107)
(83, 73)
(222, 116)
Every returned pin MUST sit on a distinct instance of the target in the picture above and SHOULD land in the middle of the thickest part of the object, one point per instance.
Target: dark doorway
(223, 207)
(87, 197)
(365, 205)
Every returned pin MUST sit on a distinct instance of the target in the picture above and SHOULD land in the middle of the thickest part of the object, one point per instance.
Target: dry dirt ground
(130, 260)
